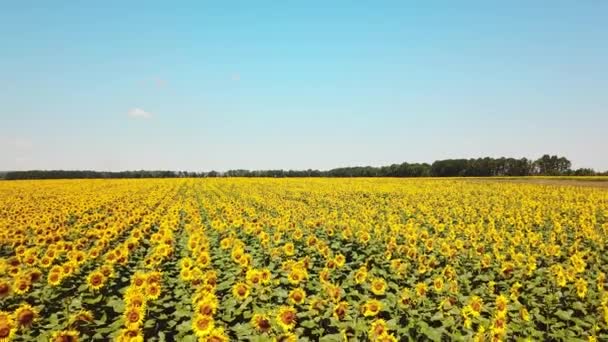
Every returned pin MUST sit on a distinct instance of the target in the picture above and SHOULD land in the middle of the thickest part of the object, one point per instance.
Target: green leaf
(331, 338)
(308, 324)
(564, 315)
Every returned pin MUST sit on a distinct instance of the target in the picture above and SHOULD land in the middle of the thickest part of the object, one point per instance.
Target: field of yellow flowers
(302, 260)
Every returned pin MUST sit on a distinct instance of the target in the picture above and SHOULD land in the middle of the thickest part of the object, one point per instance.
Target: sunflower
(378, 327)
(107, 270)
(225, 243)
(378, 286)
(7, 327)
(340, 310)
(211, 277)
(467, 313)
(133, 318)
(240, 291)
(386, 337)
(287, 337)
(501, 304)
(135, 299)
(46, 262)
(139, 279)
(22, 284)
(286, 317)
(438, 284)
(524, 314)
(254, 277)
(245, 261)
(5, 288)
(25, 315)
(581, 288)
(54, 278)
(360, 275)
(186, 274)
(297, 296)
(289, 249)
(261, 322)
(217, 335)
(202, 325)
(96, 280)
(421, 289)
(405, 298)
(34, 275)
(204, 259)
(82, 316)
(206, 306)
(324, 275)
(127, 335)
(499, 326)
(153, 291)
(297, 275)
(186, 263)
(515, 291)
(476, 305)
(154, 277)
(340, 260)
(371, 308)
(65, 336)
(316, 304)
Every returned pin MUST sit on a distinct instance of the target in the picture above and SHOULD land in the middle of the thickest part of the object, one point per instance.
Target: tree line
(477, 167)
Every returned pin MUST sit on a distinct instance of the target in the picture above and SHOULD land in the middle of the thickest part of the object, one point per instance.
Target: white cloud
(139, 113)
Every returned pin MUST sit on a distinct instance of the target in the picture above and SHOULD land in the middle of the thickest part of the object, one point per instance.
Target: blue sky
(299, 84)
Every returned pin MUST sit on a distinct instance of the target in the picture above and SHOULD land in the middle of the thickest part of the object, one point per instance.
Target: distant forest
(481, 167)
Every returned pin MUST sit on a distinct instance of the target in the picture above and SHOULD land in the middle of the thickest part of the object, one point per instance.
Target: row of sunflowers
(302, 260)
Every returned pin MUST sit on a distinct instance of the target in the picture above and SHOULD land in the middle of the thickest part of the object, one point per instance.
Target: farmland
(302, 259)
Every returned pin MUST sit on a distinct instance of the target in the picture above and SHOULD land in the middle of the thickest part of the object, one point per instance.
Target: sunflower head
(22, 284)
(421, 289)
(25, 315)
(476, 304)
(361, 275)
(386, 337)
(340, 310)
(127, 335)
(371, 308)
(135, 299)
(297, 296)
(206, 306)
(202, 325)
(287, 337)
(65, 336)
(501, 303)
(133, 318)
(240, 291)
(5, 288)
(340, 260)
(286, 317)
(217, 335)
(153, 291)
(139, 279)
(254, 277)
(7, 326)
(378, 327)
(261, 322)
(96, 280)
(55, 276)
(378, 286)
(438, 284)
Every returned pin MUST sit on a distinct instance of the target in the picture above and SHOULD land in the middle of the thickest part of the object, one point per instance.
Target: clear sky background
(119, 85)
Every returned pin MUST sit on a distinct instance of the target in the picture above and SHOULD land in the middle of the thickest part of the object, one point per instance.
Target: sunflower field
(302, 260)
